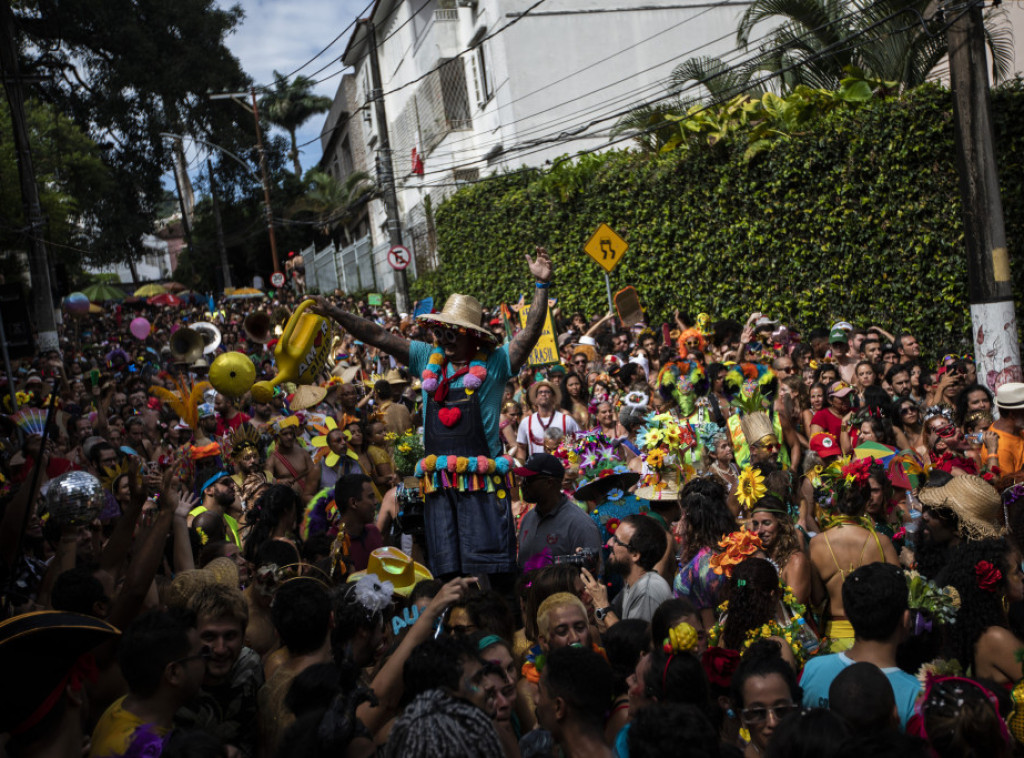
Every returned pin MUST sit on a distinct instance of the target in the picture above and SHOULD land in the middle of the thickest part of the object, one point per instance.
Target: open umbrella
(149, 290)
(905, 469)
(242, 293)
(191, 296)
(165, 299)
(103, 292)
(876, 450)
(174, 287)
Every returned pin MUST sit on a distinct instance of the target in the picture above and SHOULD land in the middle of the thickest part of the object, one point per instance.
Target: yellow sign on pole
(606, 247)
(545, 352)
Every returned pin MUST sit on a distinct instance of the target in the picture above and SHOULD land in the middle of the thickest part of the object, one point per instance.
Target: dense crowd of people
(702, 538)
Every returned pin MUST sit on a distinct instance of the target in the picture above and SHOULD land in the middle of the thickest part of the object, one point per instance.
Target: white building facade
(474, 87)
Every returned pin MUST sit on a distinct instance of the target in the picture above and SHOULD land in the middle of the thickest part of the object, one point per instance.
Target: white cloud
(282, 35)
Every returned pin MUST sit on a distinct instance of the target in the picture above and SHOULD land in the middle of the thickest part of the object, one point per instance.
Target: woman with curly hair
(770, 521)
(707, 521)
(754, 602)
(987, 574)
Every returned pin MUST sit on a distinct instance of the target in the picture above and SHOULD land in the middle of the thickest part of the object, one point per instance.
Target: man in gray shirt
(637, 545)
(556, 523)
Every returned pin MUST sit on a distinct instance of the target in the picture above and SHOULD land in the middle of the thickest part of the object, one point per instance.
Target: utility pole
(225, 268)
(42, 295)
(993, 319)
(266, 182)
(386, 170)
(254, 109)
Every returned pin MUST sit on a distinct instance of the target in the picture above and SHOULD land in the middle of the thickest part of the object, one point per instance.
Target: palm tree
(290, 104)
(886, 40)
(334, 203)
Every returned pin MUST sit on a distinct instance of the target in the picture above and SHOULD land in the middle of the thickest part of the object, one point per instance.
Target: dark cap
(43, 652)
(541, 464)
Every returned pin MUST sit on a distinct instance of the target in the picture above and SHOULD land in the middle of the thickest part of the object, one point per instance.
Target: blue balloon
(76, 304)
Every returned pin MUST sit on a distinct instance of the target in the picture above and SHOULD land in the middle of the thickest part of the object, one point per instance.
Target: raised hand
(540, 266)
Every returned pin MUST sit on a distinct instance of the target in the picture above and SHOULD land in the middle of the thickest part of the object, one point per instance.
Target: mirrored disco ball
(75, 498)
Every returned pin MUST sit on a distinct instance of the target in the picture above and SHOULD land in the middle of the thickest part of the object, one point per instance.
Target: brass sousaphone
(189, 344)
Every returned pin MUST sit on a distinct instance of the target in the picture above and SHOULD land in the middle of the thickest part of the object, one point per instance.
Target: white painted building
(483, 86)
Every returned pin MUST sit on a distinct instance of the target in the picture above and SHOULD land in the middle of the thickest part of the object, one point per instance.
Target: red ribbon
(442, 389)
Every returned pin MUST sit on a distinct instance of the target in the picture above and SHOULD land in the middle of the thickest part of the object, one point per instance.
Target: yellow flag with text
(545, 352)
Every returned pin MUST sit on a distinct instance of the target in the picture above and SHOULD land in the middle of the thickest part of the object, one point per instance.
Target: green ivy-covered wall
(857, 219)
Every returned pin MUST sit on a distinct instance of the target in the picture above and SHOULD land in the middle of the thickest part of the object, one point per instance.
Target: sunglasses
(580, 361)
(444, 336)
(908, 409)
(759, 715)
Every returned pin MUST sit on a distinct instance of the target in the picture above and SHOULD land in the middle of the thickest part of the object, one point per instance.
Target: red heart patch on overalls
(449, 416)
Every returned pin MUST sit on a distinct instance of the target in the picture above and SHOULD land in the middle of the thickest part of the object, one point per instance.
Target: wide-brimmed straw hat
(389, 564)
(975, 502)
(555, 390)
(462, 311)
(306, 396)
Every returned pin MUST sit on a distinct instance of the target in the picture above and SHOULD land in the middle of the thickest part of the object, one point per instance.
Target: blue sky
(282, 35)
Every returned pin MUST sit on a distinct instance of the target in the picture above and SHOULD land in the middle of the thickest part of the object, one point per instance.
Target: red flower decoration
(719, 665)
(987, 575)
(611, 525)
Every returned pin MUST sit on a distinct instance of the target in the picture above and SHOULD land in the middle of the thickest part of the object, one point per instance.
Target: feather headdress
(184, 399)
(682, 381)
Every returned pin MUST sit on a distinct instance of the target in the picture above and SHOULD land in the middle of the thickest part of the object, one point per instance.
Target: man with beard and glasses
(637, 545)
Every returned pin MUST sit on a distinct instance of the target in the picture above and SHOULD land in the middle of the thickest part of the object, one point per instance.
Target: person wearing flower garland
(987, 575)
(849, 542)
(465, 477)
(756, 610)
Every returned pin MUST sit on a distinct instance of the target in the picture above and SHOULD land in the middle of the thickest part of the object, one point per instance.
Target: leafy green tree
(71, 178)
(128, 72)
(290, 104)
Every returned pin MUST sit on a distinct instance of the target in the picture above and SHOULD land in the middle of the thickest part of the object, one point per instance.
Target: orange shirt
(1011, 452)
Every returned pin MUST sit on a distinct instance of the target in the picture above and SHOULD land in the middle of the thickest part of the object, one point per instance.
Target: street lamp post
(254, 109)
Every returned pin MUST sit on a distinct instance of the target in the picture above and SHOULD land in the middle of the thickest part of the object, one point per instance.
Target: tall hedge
(858, 219)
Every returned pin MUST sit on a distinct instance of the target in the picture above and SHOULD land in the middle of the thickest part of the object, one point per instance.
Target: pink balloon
(139, 327)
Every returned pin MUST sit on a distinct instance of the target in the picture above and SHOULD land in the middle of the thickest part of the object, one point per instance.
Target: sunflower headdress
(323, 450)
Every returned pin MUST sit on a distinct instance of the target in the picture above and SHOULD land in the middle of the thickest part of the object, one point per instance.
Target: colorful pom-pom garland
(466, 474)
(434, 371)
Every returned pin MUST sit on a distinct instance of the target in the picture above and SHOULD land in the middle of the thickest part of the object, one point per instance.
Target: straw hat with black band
(461, 312)
(976, 503)
(531, 393)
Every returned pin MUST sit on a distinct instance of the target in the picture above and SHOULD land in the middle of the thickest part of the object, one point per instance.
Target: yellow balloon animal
(301, 352)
